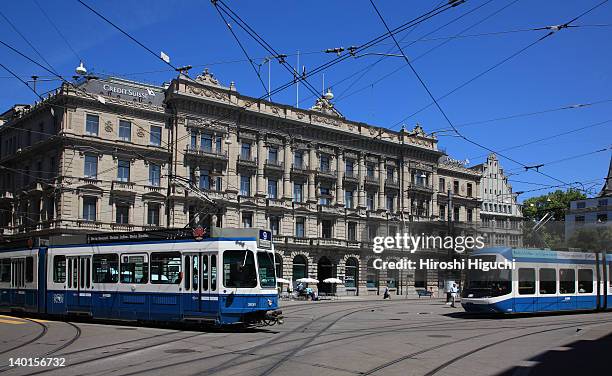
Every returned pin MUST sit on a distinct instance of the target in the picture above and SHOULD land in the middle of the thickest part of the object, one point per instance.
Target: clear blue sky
(570, 67)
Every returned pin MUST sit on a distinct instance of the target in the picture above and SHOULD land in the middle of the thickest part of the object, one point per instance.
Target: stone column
(339, 178)
(261, 160)
(287, 194)
(232, 181)
(381, 183)
(361, 173)
(405, 184)
(312, 166)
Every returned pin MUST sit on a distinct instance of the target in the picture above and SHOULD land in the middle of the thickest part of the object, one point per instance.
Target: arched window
(392, 277)
(371, 275)
(278, 265)
(351, 272)
(300, 267)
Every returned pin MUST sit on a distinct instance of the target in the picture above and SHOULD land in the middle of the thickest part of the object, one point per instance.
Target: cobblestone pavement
(349, 336)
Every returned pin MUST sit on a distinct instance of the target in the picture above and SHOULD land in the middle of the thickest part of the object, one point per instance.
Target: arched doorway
(351, 274)
(278, 265)
(372, 275)
(392, 277)
(325, 269)
(300, 268)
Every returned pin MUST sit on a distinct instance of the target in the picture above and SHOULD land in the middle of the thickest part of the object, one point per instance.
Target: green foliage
(557, 202)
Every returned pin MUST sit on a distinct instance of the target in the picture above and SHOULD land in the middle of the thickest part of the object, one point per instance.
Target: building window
(153, 214)
(372, 231)
(206, 142)
(92, 125)
(324, 163)
(194, 140)
(442, 185)
(352, 231)
(421, 178)
(299, 227)
(370, 201)
(469, 189)
(204, 179)
(603, 202)
(298, 159)
(348, 199)
(470, 217)
(155, 136)
(325, 197)
(272, 188)
(123, 214)
(580, 219)
(351, 272)
(349, 169)
(218, 142)
(125, 130)
(273, 155)
(247, 219)
(456, 213)
(326, 229)
(245, 151)
(443, 212)
(275, 225)
(298, 193)
(390, 173)
(91, 166)
(370, 170)
(580, 205)
(245, 185)
(390, 199)
(154, 175)
(456, 187)
(123, 170)
(89, 208)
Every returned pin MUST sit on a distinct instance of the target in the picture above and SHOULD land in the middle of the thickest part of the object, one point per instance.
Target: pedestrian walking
(386, 294)
(454, 290)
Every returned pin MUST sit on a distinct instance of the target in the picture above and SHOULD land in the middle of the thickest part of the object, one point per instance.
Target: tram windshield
(239, 269)
(481, 284)
(265, 261)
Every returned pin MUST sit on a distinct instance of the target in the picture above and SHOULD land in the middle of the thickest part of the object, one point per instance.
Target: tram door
(18, 281)
(78, 284)
(200, 285)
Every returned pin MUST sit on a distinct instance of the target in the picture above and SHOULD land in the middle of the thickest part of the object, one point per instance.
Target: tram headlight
(269, 303)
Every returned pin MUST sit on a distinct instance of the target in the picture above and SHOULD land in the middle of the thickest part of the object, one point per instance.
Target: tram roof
(527, 254)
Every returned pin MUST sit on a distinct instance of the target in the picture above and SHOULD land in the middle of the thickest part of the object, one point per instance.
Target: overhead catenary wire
(57, 30)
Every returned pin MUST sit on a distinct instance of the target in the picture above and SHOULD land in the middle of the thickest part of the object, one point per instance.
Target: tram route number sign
(265, 239)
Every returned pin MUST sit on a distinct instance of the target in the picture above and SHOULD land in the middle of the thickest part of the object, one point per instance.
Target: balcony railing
(370, 179)
(248, 160)
(394, 183)
(124, 186)
(326, 173)
(274, 164)
(351, 176)
(207, 152)
(420, 187)
(299, 169)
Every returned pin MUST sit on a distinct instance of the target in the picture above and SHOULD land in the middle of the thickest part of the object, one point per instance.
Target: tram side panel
(19, 280)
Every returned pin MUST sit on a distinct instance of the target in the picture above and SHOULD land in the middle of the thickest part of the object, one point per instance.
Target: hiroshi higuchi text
(426, 263)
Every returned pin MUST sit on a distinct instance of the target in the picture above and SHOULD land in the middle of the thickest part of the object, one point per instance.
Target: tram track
(468, 353)
(44, 331)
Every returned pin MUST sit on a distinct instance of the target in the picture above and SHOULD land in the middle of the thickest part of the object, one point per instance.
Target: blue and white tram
(227, 278)
(541, 281)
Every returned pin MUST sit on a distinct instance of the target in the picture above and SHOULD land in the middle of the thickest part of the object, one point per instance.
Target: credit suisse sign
(125, 91)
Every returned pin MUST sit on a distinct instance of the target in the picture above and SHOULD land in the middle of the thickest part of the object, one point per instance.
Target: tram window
(69, 269)
(29, 272)
(59, 269)
(526, 280)
(82, 269)
(75, 273)
(134, 269)
(106, 268)
(265, 261)
(239, 269)
(87, 272)
(205, 273)
(585, 281)
(213, 272)
(196, 275)
(548, 281)
(567, 281)
(187, 273)
(5, 270)
(165, 267)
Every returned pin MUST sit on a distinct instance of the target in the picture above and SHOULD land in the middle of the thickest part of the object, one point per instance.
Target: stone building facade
(325, 185)
(501, 216)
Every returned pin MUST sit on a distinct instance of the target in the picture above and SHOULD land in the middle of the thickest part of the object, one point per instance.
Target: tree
(556, 202)
(593, 238)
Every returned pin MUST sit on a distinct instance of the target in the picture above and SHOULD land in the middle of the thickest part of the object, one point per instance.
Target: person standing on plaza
(453, 290)
(386, 294)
